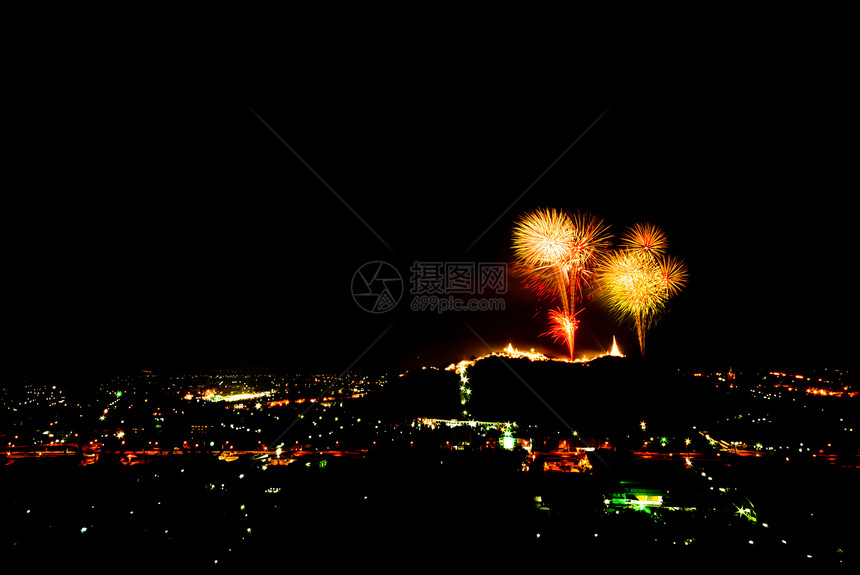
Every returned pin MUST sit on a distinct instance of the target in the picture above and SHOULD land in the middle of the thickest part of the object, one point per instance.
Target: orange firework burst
(637, 281)
(673, 274)
(557, 254)
(645, 237)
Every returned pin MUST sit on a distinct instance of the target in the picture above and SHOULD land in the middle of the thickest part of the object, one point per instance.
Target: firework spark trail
(557, 254)
(562, 328)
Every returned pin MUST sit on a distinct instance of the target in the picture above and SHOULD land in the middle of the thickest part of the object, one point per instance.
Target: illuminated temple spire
(615, 351)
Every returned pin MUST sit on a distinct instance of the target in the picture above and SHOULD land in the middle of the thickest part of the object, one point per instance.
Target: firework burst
(543, 241)
(543, 238)
(633, 288)
(673, 275)
(557, 254)
(646, 238)
(638, 280)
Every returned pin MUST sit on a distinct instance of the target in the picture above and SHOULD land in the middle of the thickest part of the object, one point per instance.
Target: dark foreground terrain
(421, 509)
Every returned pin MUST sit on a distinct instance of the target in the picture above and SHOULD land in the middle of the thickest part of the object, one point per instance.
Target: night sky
(161, 223)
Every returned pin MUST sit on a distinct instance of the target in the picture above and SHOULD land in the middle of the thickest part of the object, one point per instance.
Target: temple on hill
(615, 352)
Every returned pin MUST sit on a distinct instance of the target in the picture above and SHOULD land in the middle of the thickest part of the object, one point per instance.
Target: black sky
(163, 224)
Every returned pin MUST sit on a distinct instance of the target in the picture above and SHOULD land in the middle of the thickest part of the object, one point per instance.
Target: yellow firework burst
(544, 238)
(633, 284)
(637, 287)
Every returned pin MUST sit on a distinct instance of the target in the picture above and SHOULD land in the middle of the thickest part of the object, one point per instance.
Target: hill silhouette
(607, 396)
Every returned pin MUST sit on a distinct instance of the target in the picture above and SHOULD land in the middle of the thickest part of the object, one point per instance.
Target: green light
(746, 512)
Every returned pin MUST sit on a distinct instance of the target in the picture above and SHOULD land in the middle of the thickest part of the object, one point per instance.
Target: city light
(187, 443)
